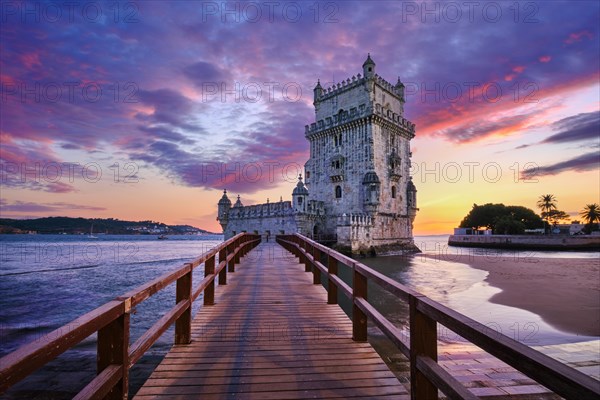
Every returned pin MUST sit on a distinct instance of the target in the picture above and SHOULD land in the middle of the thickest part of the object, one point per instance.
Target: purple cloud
(578, 127)
(150, 72)
(585, 162)
(24, 206)
(203, 72)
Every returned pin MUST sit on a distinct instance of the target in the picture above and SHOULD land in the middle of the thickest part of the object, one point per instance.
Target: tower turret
(411, 199)
(369, 67)
(300, 195)
(371, 187)
(238, 203)
(318, 91)
(223, 210)
(400, 90)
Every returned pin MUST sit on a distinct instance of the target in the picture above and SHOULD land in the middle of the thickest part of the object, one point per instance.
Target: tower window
(338, 192)
(393, 192)
(337, 164)
(299, 200)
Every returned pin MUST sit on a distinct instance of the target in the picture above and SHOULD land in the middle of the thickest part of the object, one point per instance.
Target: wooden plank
(271, 334)
(275, 386)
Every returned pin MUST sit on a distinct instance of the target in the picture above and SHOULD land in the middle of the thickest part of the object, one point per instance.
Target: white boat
(91, 236)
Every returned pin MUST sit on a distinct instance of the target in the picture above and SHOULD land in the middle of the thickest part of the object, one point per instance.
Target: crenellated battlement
(355, 114)
(342, 86)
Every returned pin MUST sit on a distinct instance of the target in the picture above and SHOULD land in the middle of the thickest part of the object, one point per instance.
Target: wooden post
(237, 253)
(209, 292)
(231, 264)
(359, 318)
(244, 244)
(332, 268)
(223, 273)
(423, 342)
(316, 271)
(183, 325)
(307, 265)
(113, 348)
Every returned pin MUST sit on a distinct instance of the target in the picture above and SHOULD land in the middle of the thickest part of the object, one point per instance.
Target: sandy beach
(564, 292)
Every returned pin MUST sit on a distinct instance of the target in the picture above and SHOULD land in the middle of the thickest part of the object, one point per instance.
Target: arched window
(299, 200)
(338, 192)
(393, 192)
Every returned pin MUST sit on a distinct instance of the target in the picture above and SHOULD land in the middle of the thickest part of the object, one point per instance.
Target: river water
(46, 281)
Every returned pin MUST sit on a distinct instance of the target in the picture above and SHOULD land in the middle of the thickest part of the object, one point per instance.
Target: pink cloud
(545, 59)
(31, 59)
(577, 37)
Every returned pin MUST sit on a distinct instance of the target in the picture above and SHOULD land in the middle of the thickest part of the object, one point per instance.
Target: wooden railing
(115, 355)
(426, 375)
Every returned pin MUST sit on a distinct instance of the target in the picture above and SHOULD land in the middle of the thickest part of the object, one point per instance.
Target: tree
(482, 216)
(507, 225)
(502, 219)
(591, 213)
(547, 203)
(555, 216)
(525, 215)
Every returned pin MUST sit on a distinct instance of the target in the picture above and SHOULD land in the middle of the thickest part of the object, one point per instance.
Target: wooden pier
(272, 335)
(272, 328)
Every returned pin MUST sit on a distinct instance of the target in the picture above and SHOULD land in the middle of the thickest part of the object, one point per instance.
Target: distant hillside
(69, 225)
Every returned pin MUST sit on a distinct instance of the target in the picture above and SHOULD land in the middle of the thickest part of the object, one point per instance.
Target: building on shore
(357, 193)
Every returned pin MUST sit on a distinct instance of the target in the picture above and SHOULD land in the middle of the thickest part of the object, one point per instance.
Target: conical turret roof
(300, 189)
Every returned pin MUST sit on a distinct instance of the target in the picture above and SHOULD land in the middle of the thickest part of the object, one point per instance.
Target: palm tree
(591, 213)
(547, 203)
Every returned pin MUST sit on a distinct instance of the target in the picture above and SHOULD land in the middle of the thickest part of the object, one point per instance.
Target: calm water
(47, 281)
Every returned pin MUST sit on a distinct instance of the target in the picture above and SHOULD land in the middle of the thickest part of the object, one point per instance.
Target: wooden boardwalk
(272, 335)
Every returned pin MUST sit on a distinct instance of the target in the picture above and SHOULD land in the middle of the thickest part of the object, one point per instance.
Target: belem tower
(357, 194)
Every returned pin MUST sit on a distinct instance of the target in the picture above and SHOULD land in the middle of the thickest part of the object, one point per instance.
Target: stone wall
(268, 218)
(531, 242)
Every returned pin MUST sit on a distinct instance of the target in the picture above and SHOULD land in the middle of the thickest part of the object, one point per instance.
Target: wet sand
(564, 292)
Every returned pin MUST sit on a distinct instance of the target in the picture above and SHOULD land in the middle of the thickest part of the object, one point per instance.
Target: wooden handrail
(111, 320)
(427, 376)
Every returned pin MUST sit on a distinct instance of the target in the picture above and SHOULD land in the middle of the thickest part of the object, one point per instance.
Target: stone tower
(223, 210)
(359, 163)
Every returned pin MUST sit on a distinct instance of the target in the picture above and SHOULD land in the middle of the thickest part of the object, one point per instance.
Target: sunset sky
(148, 110)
